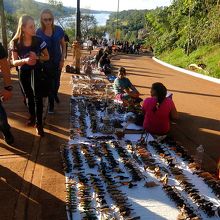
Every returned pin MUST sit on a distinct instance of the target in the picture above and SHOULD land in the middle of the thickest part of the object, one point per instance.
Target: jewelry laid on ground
(114, 176)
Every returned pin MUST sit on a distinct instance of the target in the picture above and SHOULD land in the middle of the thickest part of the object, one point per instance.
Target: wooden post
(3, 24)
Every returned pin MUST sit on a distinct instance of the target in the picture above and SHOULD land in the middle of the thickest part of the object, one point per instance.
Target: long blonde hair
(46, 11)
(23, 20)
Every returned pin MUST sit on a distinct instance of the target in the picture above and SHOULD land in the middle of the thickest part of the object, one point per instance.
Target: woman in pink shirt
(158, 110)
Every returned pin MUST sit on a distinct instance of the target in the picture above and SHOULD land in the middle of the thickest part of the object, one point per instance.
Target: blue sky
(111, 5)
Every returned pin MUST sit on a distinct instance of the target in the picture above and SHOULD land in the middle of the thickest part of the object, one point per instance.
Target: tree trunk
(3, 24)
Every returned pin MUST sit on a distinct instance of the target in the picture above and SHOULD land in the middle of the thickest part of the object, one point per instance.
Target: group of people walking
(126, 47)
(38, 56)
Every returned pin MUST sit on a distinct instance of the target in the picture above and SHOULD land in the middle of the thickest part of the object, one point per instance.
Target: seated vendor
(158, 111)
(124, 90)
(104, 60)
(99, 55)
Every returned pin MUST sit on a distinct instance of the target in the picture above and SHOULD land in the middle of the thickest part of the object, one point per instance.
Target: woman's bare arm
(16, 61)
(63, 46)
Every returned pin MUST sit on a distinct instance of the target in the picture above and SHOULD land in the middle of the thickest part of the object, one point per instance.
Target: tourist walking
(90, 45)
(28, 51)
(53, 35)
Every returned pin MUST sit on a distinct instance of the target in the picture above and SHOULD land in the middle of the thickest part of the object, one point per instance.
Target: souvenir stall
(114, 171)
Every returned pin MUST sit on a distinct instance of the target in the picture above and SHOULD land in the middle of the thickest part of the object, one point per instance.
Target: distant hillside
(11, 6)
(129, 22)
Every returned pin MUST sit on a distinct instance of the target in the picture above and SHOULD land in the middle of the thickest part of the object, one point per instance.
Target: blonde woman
(28, 51)
(53, 35)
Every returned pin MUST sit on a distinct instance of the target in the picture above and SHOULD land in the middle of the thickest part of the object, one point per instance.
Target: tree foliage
(186, 23)
(89, 28)
(57, 6)
(129, 23)
(88, 25)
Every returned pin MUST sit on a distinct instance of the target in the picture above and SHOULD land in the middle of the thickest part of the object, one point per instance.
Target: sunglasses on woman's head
(47, 19)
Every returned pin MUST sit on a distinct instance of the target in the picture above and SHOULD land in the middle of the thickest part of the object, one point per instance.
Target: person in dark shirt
(53, 35)
(104, 60)
(99, 55)
(105, 64)
(5, 95)
(28, 51)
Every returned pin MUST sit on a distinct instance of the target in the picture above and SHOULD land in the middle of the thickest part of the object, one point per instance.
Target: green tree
(186, 23)
(29, 7)
(129, 22)
(88, 25)
(57, 6)
(11, 25)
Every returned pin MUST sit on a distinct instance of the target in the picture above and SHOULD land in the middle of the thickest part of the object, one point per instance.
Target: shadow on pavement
(181, 91)
(202, 131)
(31, 170)
(37, 205)
(56, 133)
(144, 75)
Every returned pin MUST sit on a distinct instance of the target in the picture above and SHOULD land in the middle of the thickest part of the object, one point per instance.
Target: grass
(209, 55)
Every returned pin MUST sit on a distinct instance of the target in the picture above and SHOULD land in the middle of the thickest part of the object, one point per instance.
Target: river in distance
(101, 19)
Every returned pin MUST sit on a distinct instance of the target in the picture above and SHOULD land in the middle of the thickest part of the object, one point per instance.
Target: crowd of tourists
(113, 45)
(38, 56)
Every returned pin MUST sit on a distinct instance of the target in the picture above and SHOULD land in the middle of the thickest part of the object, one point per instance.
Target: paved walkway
(32, 181)
(197, 100)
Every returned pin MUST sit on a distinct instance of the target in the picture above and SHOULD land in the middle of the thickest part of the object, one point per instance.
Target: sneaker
(8, 137)
(57, 100)
(31, 121)
(40, 130)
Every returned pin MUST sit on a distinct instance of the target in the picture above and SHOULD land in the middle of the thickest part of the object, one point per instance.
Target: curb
(188, 72)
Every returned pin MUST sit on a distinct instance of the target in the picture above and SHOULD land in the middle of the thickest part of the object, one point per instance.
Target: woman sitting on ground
(105, 64)
(158, 111)
(104, 60)
(125, 90)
